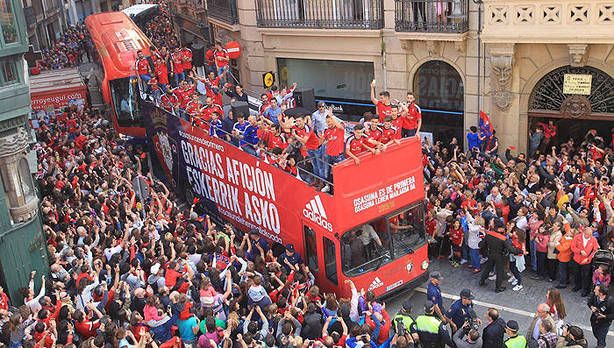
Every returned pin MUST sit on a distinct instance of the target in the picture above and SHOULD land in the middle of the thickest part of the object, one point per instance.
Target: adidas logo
(314, 211)
(375, 284)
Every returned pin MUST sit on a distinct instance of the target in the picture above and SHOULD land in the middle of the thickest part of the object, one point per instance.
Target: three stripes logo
(314, 211)
(375, 284)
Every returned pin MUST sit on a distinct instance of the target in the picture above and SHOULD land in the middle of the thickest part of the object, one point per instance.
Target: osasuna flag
(486, 127)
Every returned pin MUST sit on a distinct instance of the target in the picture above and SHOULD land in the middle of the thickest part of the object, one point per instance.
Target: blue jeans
(144, 80)
(541, 264)
(249, 149)
(533, 251)
(600, 331)
(465, 251)
(317, 161)
(474, 254)
(515, 271)
(332, 160)
(178, 77)
(563, 273)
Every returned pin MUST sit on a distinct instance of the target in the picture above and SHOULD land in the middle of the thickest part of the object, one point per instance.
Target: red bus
(117, 39)
(371, 230)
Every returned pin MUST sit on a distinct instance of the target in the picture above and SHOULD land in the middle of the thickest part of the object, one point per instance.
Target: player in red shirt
(143, 69)
(374, 133)
(187, 60)
(178, 73)
(333, 140)
(209, 108)
(221, 58)
(383, 107)
(169, 101)
(412, 117)
(161, 70)
(210, 58)
(193, 108)
(390, 134)
(358, 143)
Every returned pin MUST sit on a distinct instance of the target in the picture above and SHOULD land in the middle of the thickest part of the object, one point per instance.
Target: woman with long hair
(557, 307)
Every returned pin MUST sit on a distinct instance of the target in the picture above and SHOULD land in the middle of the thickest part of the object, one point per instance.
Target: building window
(9, 74)
(7, 22)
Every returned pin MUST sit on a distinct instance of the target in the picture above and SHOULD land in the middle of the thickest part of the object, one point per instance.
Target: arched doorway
(439, 91)
(574, 107)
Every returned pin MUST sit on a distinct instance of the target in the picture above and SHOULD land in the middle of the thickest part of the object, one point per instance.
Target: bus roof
(117, 39)
(55, 80)
(138, 9)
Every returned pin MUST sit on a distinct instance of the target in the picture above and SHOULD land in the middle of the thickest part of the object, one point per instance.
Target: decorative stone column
(16, 176)
(504, 95)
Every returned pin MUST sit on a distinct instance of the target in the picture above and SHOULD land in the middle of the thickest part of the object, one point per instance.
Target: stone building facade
(457, 57)
(22, 244)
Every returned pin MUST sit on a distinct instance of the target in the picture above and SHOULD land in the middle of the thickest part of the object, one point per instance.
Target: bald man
(542, 314)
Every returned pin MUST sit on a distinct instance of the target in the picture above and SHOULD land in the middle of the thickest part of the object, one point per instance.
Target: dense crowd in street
(133, 272)
(71, 49)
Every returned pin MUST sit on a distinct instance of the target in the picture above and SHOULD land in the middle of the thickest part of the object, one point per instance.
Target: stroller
(604, 257)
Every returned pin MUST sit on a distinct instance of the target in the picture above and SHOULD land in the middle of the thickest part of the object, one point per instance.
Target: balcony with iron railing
(193, 10)
(223, 10)
(432, 16)
(320, 14)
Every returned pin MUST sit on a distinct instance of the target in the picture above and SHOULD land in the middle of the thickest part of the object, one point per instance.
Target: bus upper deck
(374, 220)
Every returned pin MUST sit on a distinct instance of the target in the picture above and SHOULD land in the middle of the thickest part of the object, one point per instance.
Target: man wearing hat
(404, 317)
(514, 340)
(433, 292)
(290, 259)
(431, 330)
(461, 310)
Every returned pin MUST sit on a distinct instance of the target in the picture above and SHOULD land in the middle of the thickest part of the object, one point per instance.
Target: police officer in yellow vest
(404, 323)
(514, 340)
(431, 330)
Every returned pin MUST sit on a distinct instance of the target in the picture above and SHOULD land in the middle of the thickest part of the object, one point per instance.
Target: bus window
(367, 247)
(125, 95)
(311, 254)
(330, 260)
(407, 230)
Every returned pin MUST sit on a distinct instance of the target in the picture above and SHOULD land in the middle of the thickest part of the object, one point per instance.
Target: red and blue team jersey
(388, 134)
(373, 134)
(355, 146)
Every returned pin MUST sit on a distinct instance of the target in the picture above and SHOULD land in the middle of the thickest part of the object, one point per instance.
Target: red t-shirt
(383, 110)
(220, 62)
(208, 110)
(356, 146)
(374, 135)
(167, 102)
(388, 134)
(161, 71)
(87, 329)
(210, 57)
(414, 114)
(187, 58)
(142, 66)
(312, 141)
(177, 62)
(334, 138)
(193, 108)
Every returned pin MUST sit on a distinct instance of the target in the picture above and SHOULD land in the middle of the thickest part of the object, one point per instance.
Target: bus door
(322, 257)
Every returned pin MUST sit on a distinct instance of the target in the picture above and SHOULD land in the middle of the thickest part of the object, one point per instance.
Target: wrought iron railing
(338, 14)
(432, 16)
(223, 10)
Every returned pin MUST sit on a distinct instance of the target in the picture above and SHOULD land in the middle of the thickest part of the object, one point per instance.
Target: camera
(471, 322)
(400, 327)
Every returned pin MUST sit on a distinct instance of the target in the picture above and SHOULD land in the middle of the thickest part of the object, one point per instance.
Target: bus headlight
(425, 264)
(409, 267)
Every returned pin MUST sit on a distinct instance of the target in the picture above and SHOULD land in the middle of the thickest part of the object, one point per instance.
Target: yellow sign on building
(578, 84)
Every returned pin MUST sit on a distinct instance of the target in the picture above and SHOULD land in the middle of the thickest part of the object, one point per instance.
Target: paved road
(519, 306)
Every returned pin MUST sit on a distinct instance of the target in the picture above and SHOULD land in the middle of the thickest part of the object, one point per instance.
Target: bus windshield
(125, 95)
(367, 247)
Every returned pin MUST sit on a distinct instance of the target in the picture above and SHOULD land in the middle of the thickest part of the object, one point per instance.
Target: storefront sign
(578, 84)
(268, 79)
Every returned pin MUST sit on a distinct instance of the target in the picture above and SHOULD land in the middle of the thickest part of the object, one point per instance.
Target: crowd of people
(70, 50)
